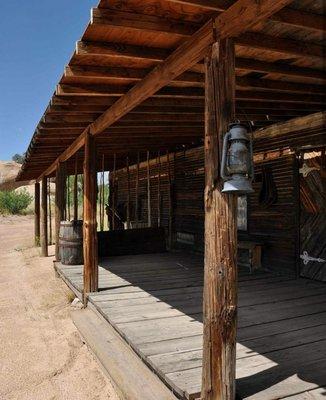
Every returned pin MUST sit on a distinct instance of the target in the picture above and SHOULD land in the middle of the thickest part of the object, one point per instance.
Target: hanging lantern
(237, 161)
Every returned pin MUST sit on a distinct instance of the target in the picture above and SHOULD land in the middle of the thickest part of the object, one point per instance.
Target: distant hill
(8, 173)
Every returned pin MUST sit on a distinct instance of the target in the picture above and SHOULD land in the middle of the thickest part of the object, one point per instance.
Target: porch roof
(279, 75)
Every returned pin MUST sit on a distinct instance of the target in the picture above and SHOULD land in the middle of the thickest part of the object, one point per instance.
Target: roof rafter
(287, 15)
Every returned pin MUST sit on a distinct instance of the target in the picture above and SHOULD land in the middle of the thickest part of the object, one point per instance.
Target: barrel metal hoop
(73, 246)
(71, 239)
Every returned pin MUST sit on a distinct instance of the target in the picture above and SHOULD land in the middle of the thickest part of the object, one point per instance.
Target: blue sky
(37, 38)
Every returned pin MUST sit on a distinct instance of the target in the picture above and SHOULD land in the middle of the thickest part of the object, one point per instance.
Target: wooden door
(313, 215)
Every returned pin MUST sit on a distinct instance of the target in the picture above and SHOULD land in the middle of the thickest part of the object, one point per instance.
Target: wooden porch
(154, 301)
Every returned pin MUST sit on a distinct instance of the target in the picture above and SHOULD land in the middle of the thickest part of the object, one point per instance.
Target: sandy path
(41, 354)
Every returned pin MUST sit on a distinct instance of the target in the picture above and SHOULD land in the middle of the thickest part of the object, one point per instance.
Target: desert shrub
(12, 202)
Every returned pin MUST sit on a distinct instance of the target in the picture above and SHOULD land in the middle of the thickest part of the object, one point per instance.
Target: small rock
(76, 303)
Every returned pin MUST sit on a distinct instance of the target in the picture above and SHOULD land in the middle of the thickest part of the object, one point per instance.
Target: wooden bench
(254, 250)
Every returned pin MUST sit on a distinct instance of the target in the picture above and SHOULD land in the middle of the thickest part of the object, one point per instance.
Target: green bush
(12, 202)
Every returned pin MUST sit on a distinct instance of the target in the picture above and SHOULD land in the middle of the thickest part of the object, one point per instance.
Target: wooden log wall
(275, 225)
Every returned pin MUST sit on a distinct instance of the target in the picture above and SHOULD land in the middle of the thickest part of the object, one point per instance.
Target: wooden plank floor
(155, 302)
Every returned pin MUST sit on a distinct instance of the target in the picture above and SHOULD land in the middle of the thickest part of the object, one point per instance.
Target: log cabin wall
(276, 224)
(189, 199)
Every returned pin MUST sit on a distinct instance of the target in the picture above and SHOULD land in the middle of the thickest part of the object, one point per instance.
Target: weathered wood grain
(37, 214)
(44, 218)
(220, 276)
(90, 225)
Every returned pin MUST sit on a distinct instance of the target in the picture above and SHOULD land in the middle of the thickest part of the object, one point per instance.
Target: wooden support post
(149, 216)
(37, 214)
(90, 228)
(137, 191)
(44, 218)
(68, 197)
(113, 191)
(159, 190)
(128, 194)
(103, 194)
(50, 212)
(100, 198)
(76, 190)
(109, 211)
(60, 180)
(220, 276)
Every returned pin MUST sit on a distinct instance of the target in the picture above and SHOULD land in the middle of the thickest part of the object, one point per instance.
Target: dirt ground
(42, 355)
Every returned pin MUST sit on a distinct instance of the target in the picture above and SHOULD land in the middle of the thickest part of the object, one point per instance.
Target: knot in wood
(209, 196)
(228, 315)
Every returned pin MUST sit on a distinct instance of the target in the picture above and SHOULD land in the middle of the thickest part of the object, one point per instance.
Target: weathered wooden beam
(280, 45)
(138, 22)
(182, 117)
(307, 122)
(90, 226)
(220, 272)
(257, 40)
(60, 179)
(187, 107)
(37, 214)
(44, 218)
(120, 90)
(278, 86)
(300, 19)
(122, 75)
(197, 80)
(152, 23)
(289, 16)
(105, 101)
(136, 74)
(248, 64)
(274, 88)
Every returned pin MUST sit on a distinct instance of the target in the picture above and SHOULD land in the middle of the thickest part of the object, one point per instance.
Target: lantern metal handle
(224, 175)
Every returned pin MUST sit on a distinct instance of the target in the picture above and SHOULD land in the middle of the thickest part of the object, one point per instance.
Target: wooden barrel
(71, 242)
